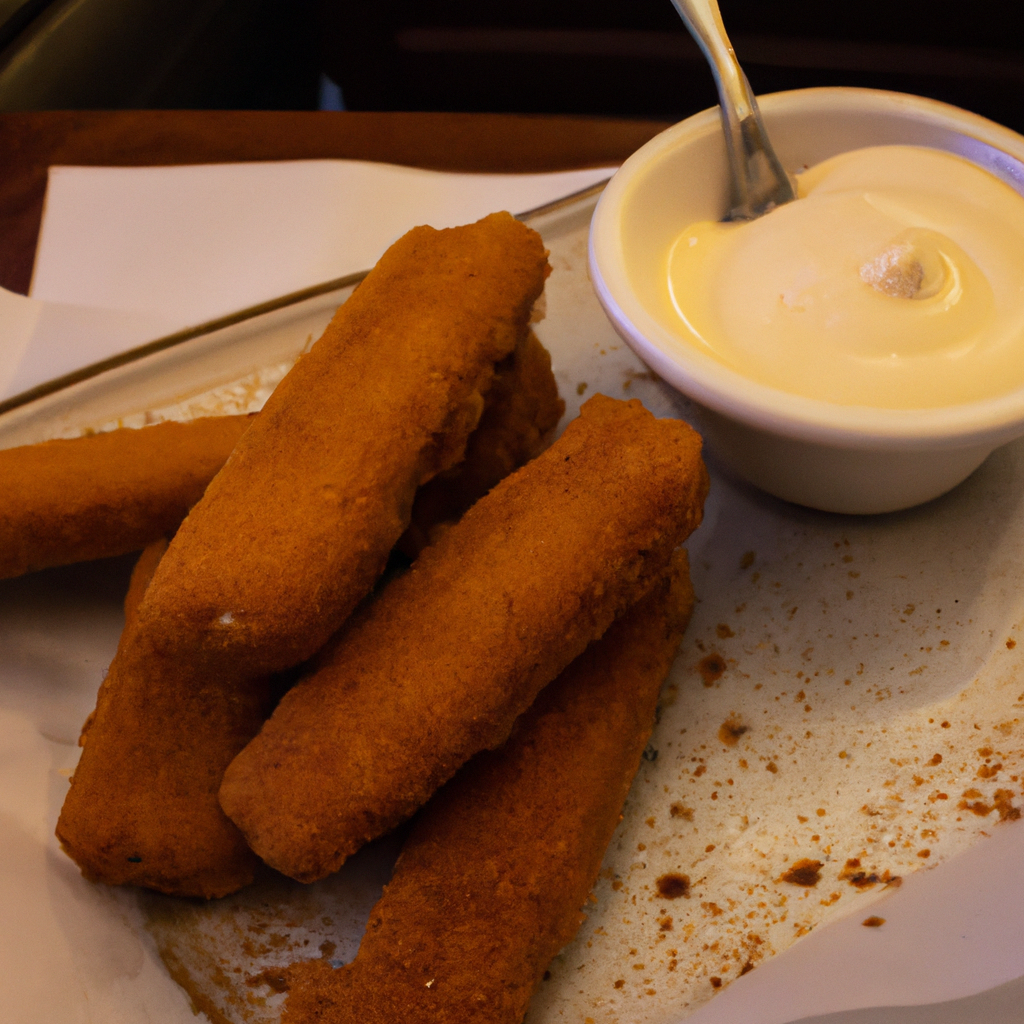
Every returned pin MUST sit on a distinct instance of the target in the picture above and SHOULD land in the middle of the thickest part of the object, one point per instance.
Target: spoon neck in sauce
(759, 183)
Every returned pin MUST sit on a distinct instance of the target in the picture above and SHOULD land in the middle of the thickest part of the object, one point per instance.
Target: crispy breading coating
(215, 719)
(444, 661)
(297, 527)
(105, 494)
(289, 536)
(490, 882)
(142, 807)
(522, 408)
(142, 573)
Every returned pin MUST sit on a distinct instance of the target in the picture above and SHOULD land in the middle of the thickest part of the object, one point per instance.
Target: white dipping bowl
(840, 458)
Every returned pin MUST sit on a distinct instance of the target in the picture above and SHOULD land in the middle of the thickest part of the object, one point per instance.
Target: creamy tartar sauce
(895, 280)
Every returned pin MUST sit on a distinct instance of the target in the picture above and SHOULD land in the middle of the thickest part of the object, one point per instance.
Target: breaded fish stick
(450, 654)
(490, 882)
(222, 720)
(289, 536)
(297, 527)
(106, 494)
(142, 807)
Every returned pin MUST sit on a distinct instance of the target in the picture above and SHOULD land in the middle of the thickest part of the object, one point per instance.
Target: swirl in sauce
(896, 281)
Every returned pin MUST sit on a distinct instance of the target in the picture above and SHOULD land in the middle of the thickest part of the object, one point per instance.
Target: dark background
(628, 58)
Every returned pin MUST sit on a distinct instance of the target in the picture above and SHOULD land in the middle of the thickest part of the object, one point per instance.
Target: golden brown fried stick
(442, 663)
(522, 409)
(287, 539)
(224, 719)
(142, 807)
(490, 882)
(106, 494)
(294, 531)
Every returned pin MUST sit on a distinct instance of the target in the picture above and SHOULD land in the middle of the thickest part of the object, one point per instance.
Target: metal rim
(132, 355)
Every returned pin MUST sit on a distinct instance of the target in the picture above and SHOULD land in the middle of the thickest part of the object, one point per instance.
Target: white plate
(791, 602)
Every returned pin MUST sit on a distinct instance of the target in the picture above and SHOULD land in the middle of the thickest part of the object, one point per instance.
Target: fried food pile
(506, 680)
(489, 884)
(450, 654)
(112, 493)
(289, 536)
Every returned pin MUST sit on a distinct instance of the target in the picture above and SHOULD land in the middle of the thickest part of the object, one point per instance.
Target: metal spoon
(759, 183)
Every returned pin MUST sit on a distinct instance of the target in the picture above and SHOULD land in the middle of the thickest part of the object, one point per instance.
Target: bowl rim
(726, 391)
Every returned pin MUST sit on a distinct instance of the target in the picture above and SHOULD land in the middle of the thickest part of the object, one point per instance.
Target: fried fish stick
(521, 411)
(489, 885)
(178, 870)
(288, 537)
(295, 529)
(142, 807)
(106, 494)
(450, 654)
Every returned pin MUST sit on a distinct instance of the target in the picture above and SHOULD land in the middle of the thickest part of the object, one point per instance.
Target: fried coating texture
(142, 807)
(106, 494)
(522, 408)
(178, 869)
(297, 527)
(450, 654)
(142, 573)
(141, 576)
(289, 536)
(490, 882)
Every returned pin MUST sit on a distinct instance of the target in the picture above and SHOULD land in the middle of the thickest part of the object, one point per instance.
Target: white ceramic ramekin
(841, 458)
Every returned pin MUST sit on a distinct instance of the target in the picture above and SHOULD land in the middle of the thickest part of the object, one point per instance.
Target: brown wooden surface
(31, 142)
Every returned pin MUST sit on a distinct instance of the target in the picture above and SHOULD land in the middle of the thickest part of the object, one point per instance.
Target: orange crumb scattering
(804, 872)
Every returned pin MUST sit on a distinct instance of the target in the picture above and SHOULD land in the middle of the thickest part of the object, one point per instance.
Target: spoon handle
(758, 180)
